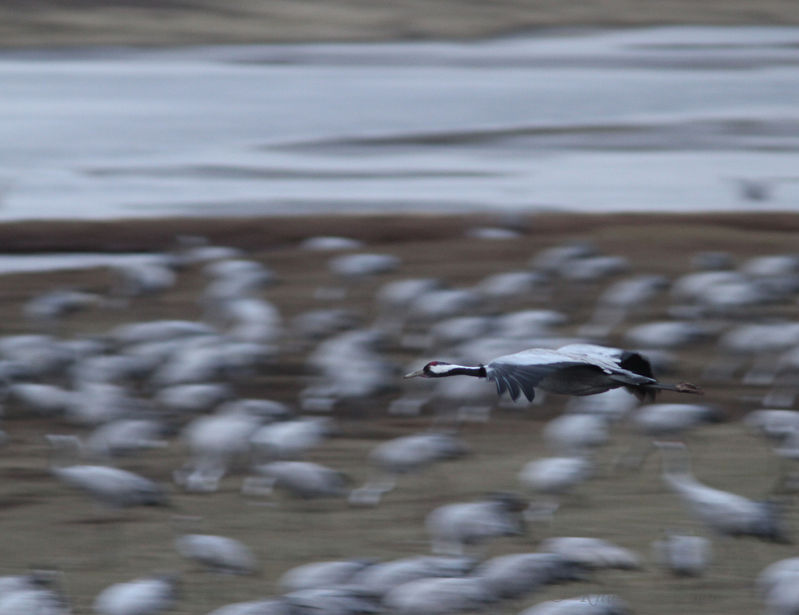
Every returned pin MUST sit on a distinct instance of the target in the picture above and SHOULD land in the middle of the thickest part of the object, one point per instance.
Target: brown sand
(45, 524)
(179, 22)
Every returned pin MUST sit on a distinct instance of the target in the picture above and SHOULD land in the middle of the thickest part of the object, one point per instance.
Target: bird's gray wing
(629, 366)
(517, 379)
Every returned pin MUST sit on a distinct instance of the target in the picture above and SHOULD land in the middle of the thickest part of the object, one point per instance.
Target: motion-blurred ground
(47, 525)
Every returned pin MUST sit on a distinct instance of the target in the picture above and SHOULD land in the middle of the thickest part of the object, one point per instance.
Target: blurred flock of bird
(179, 442)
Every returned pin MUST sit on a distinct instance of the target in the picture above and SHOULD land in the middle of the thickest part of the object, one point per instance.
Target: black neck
(478, 371)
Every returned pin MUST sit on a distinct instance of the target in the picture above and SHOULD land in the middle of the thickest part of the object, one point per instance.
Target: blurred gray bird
(322, 574)
(379, 578)
(724, 512)
(452, 527)
(591, 552)
(290, 439)
(335, 600)
(593, 604)
(145, 596)
(439, 596)
(405, 455)
(778, 585)
(683, 555)
(518, 574)
(555, 475)
(671, 420)
(35, 593)
(303, 478)
(217, 553)
(112, 487)
(575, 435)
(255, 607)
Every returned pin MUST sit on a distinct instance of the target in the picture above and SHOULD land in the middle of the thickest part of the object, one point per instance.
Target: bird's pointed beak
(417, 373)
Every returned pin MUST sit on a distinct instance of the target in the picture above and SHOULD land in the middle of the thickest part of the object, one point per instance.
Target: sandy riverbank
(37, 23)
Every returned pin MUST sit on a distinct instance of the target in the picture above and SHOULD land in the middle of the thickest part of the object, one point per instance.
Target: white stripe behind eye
(441, 369)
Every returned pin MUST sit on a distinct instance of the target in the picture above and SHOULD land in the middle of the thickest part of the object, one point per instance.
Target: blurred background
(228, 230)
(461, 106)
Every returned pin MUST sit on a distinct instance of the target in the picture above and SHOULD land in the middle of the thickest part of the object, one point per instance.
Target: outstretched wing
(522, 372)
(615, 360)
(577, 369)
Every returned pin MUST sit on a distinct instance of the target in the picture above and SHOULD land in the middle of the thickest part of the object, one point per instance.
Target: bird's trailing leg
(648, 390)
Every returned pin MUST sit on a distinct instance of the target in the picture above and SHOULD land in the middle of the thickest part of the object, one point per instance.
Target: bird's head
(434, 369)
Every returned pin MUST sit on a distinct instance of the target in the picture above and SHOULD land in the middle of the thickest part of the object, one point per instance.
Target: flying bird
(574, 369)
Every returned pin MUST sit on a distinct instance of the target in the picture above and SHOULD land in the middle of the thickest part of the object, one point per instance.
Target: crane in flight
(574, 369)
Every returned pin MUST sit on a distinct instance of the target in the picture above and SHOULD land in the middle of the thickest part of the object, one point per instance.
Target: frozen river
(674, 119)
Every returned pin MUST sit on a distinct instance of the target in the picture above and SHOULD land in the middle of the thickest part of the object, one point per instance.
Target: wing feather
(525, 380)
(527, 370)
(506, 386)
(513, 385)
(519, 378)
(500, 382)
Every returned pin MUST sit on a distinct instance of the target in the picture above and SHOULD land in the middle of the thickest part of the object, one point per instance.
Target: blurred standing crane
(302, 479)
(454, 526)
(381, 577)
(517, 574)
(146, 596)
(322, 574)
(778, 584)
(592, 553)
(414, 452)
(594, 604)
(618, 300)
(683, 555)
(657, 421)
(217, 553)
(439, 596)
(725, 513)
(111, 487)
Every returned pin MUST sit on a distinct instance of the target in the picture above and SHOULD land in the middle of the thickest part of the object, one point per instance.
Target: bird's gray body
(439, 596)
(254, 607)
(453, 526)
(595, 604)
(683, 555)
(218, 553)
(382, 577)
(145, 596)
(112, 486)
(517, 574)
(575, 369)
(591, 552)
(304, 478)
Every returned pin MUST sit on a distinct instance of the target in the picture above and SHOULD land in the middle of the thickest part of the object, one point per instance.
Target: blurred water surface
(674, 119)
